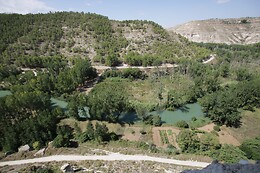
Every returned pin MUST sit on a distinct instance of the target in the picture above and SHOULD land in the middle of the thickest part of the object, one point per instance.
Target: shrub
(251, 147)
(230, 154)
(193, 119)
(36, 145)
(182, 124)
(188, 141)
(142, 132)
(209, 142)
(216, 128)
(63, 137)
(157, 120)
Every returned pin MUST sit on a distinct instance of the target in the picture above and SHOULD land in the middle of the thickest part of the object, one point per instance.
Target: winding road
(109, 157)
(167, 65)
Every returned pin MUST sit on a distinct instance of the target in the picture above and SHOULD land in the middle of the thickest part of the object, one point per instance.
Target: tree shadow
(74, 144)
(184, 109)
(128, 118)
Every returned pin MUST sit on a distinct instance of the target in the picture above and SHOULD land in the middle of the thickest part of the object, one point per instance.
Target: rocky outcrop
(229, 31)
(24, 148)
(215, 167)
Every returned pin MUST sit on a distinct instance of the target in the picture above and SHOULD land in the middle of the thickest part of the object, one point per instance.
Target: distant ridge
(229, 31)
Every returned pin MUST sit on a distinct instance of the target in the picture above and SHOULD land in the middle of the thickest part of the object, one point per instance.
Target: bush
(230, 154)
(152, 120)
(216, 128)
(182, 124)
(36, 145)
(157, 121)
(193, 119)
(142, 132)
(188, 141)
(63, 137)
(209, 142)
(251, 147)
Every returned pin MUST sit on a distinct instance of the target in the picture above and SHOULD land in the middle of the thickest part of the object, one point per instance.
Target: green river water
(169, 117)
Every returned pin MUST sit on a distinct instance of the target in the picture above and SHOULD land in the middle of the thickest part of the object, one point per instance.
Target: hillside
(54, 87)
(229, 31)
(90, 35)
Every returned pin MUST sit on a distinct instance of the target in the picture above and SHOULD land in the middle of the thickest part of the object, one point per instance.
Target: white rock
(40, 152)
(66, 168)
(24, 148)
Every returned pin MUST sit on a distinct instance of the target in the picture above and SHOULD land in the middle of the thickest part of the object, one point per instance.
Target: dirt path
(212, 57)
(101, 67)
(110, 157)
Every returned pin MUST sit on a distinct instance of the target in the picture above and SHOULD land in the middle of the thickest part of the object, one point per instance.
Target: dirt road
(109, 157)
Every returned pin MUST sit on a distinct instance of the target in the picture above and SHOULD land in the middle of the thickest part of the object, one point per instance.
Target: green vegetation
(64, 134)
(105, 103)
(47, 56)
(251, 148)
(188, 141)
(223, 106)
(229, 154)
(164, 137)
(208, 144)
(182, 124)
(26, 40)
(130, 73)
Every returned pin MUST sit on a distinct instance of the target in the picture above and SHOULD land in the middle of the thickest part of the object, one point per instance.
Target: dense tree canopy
(105, 103)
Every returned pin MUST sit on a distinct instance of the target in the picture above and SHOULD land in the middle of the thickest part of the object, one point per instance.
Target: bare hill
(229, 31)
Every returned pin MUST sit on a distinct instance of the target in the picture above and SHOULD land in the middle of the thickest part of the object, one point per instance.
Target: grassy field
(147, 91)
(249, 128)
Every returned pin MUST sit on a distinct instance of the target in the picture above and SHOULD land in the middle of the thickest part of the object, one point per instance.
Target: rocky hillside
(229, 31)
(90, 36)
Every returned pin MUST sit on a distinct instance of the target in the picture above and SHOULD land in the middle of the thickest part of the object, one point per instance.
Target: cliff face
(241, 167)
(229, 31)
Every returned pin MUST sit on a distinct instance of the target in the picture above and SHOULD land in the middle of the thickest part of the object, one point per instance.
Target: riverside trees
(28, 116)
(105, 103)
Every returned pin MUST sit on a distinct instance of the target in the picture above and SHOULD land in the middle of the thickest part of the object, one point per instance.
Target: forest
(43, 56)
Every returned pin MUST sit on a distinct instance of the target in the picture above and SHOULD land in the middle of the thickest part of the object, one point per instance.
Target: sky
(167, 13)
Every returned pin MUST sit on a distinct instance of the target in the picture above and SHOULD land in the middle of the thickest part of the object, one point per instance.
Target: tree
(225, 70)
(105, 103)
(175, 100)
(101, 133)
(157, 121)
(230, 154)
(188, 141)
(11, 142)
(82, 71)
(89, 134)
(209, 142)
(64, 134)
(111, 60)
(73, 110)
(182, 124)
(251, 147)
(90, 131)
(221, 107)
(243, 74)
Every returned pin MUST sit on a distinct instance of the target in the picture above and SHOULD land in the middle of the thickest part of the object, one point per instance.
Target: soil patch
(132, 133)
(226, 138)
(208, 127)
